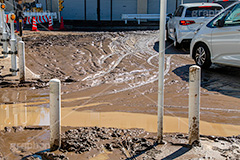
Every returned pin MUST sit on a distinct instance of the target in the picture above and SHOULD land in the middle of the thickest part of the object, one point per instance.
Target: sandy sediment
(113, 143)
(117, 72)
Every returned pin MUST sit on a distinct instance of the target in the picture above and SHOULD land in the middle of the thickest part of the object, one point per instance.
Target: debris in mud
(86, 139)
(52, 156)
(15, 84)
(89, 142)
(33, 128)
(7, 129)
(69, 79)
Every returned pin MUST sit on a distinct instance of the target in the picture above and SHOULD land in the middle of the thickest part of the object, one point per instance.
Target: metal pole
(4, 36)
(1, 19)
(20, 27)
(182, 2)
(194, 103)
(13, 52)
(163, 6)
(22, 70)
(55, 114)
(59, 14)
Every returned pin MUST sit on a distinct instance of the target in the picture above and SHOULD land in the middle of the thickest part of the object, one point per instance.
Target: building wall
(142, 6)
(105, 10)
(123, 7)
(75, 9)
(69, 13)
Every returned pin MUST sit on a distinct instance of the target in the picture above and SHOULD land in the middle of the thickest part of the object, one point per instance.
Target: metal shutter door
(153, 6)
(123, 7)
(105, 10)
(73, 10)
(91, 10)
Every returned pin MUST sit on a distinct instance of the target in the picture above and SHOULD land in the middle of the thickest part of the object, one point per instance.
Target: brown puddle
(19, 114)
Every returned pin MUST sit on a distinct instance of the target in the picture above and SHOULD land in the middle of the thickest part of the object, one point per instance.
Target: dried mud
(118, 72)
(112, 143)
(121, 68)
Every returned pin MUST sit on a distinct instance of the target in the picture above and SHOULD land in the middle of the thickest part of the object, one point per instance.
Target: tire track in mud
(124, 46)
(137, 46)
(113, 65)
(150, 80)
(130, 46)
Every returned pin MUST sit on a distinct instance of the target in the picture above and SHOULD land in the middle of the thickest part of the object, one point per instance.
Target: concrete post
(5, 44)
(13, 57)
(13, 51)
(55, 114)
(12, 29)
(163, 6)
(22, 70)
(18, 40)
(194, 103)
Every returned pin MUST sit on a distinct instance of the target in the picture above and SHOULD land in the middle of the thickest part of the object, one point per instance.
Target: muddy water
(20, 114)
(115, 76)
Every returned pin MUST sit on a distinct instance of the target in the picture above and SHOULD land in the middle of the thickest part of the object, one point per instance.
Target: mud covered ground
(121, 68)
(116, 72)
(112, 143)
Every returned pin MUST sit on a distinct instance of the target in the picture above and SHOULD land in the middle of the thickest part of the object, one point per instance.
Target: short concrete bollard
(13, 52)
(55, 114)
(22, 70)
(5, 44)
(18, 40)
(194, 103)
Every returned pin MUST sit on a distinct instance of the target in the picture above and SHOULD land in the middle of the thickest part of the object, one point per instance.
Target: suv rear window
(202, 11)
(179, 11)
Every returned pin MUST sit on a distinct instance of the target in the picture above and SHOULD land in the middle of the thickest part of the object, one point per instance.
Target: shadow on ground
(177, 153)
(218, 78)
(183, 150)
(170, 49)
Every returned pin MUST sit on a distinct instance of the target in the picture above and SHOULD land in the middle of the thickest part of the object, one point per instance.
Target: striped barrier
(28, 20)
(40, 17)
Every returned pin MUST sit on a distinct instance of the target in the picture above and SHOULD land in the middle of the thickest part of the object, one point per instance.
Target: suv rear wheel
(202, 56)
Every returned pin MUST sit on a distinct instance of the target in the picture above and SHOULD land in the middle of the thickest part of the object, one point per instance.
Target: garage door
(123, 7)
(153, 6)
(73, 10)
(91, 10)
(105, 10)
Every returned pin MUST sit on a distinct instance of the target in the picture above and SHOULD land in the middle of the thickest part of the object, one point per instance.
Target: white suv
(188, 18)
(219, 40)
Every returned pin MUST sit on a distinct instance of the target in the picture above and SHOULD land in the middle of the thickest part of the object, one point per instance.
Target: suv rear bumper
(185, 36)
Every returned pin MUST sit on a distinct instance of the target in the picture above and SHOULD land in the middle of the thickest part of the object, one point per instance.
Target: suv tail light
(186, 22)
